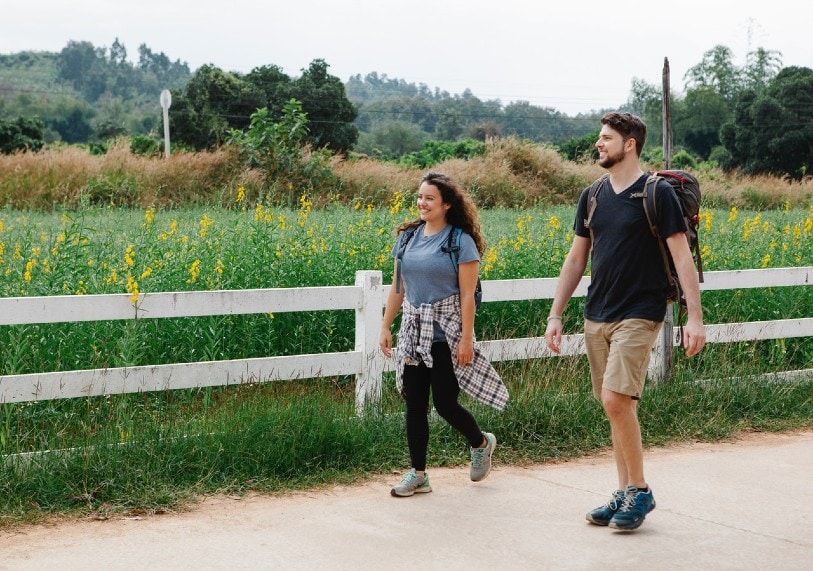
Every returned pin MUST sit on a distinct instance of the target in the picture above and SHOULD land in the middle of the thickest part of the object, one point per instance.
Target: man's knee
(617, 404)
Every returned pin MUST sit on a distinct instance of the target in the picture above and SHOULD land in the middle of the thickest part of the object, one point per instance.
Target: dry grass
(510, 173)
(68, 176)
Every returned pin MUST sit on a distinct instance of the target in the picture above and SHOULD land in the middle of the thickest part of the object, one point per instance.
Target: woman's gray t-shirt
(429, 274)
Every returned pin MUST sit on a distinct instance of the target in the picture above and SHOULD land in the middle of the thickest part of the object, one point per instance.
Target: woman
(437, 259)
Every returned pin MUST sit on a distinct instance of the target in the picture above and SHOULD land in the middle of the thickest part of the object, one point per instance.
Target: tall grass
(510, 173)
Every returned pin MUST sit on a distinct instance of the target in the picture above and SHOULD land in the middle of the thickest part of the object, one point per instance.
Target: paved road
(741, 505)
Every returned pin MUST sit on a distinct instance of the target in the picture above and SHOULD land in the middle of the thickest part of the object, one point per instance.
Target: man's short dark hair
(629, 125)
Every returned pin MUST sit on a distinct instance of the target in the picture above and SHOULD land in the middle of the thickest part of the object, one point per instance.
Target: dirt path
(744, 505)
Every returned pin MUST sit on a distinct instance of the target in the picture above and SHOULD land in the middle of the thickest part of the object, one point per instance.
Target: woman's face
(430, 203)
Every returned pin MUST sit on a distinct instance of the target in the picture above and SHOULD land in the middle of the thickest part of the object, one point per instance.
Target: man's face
(611, 147)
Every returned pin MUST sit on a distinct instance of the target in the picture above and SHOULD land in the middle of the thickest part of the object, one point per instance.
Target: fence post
(369, 316)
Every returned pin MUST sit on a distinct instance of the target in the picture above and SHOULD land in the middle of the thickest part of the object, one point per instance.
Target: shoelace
(629, 501)
(613, 503)
(408, 478)
(477, 456)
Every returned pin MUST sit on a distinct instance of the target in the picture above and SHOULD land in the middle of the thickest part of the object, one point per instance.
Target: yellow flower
(241, 194)
(132, 288)
(113, 278)
(489, 260)
(732, 214)
(173, 227)
(554, 223)
(396, 202)
(18, 253)
(2, 225)
(80, 289)
(270, 315)
(194, 272)
(766, 260)
(149, 216)
(706, 219)
(129, 256)
(146, 273)
(204, 225)
(219, 267)
(29, 267)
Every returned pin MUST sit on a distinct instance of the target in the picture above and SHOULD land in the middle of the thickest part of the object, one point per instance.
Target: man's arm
(569, 278)
(694, 335)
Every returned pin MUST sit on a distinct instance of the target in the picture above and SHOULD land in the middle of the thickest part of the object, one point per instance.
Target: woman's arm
(467, 281)
(394, 301)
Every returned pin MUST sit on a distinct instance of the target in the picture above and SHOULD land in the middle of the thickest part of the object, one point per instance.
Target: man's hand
(553, 335)
(694, 337)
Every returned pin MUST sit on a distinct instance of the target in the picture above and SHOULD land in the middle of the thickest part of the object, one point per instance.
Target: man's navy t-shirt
(628, 280)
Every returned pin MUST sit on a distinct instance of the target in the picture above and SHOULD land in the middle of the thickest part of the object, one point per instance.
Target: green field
(150, 450)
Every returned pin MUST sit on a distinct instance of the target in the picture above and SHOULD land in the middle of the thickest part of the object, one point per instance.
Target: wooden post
(661, 362)
(369, 316)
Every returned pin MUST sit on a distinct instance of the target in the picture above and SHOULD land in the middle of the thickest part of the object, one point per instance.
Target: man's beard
(611, 160)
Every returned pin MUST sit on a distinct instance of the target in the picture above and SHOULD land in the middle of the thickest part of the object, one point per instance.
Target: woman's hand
(385, 342)
(465, 351)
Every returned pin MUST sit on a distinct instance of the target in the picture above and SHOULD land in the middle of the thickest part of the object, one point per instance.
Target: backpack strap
(649, 196)
(453, 248)
(592, 201)
(403, 240)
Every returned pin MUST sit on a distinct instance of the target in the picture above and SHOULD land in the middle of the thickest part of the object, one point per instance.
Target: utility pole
(663, 349)
(166, 101)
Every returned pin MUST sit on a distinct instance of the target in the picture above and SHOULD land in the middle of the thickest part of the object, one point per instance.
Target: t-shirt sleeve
(468, 249)
(581, 214)
(670, 214)
(397, 244)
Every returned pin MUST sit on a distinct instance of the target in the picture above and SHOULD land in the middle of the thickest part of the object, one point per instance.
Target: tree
(212, 103)
(330, 113)
(698, 118)
(24, 134)
(391, 139)
(716, 71)
(772, 132)
(761, 67)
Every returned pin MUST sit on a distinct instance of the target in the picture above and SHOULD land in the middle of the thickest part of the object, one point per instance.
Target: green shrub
(145, 145)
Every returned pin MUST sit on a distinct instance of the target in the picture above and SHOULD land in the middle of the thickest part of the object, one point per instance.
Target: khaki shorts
(618, 353)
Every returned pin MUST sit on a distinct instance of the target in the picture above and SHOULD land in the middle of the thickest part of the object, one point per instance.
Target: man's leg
(622, 412)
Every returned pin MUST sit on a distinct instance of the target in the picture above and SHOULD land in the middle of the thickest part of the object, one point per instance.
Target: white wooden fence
(366, 297)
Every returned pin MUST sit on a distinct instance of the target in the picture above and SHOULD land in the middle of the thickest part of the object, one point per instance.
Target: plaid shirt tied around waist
(478, 379)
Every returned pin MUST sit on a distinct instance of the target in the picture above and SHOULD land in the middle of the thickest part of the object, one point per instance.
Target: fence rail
(366, 298)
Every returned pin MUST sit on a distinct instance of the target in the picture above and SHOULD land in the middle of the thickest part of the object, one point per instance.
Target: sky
(570, 55)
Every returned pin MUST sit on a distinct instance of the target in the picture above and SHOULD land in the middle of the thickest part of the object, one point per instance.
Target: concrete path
(741, 505)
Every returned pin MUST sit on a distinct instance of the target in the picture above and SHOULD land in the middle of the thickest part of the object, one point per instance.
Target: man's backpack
(687, 190)
(452, 247)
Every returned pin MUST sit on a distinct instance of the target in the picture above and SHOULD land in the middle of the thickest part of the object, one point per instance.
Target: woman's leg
(416, 393)
(445, 391)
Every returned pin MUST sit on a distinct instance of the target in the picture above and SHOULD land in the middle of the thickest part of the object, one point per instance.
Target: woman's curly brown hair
(462, 212)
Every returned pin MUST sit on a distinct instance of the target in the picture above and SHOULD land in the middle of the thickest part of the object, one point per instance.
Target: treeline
(757, 117)
(86, 93)
(396, 117)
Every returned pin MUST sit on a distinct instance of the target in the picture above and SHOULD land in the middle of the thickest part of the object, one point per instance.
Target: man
(626, 302)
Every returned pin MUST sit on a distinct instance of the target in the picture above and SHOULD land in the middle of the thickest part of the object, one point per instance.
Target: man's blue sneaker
(602, 515)
(633, 510)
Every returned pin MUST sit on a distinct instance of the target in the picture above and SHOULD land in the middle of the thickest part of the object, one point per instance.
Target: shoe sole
(597, 522)
(395, 494)
(489, 462)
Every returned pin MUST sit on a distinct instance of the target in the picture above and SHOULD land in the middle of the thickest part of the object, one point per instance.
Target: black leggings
(441, 378)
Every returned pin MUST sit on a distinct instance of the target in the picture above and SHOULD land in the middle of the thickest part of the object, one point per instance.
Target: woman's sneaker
(602, 515)
(411, 484)
(481, 458)
(637, 503)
